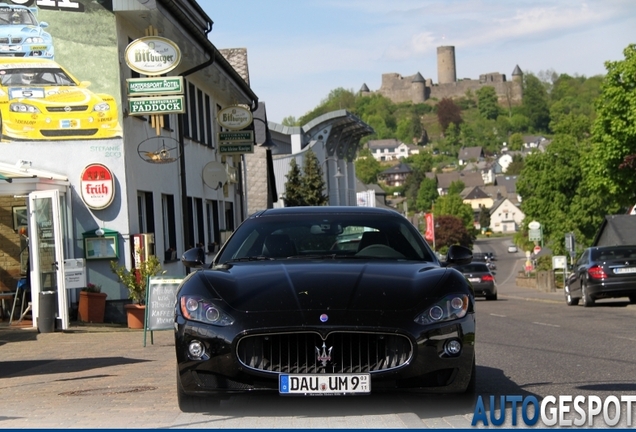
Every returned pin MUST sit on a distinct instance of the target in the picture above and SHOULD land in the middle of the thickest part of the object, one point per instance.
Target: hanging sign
(97, 186)
(152, 55)
(234, 117)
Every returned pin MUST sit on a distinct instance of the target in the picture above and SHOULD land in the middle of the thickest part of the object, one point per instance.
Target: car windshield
(35, 77)
(614, 253)
(327, 236)
(16, 16)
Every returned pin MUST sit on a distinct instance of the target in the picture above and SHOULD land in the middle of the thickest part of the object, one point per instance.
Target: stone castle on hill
(416, 89)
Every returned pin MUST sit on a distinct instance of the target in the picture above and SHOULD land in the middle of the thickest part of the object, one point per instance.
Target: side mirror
(192, 258)
(459, 255)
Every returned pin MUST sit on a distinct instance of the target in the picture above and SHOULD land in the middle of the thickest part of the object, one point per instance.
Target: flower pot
(136, 315)
(91, 307)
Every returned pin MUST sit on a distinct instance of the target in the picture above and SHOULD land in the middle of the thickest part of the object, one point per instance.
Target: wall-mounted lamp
(269, 142)
(99, 232)
(338, 174)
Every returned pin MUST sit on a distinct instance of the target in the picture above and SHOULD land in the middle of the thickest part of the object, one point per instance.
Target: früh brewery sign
(97, 186)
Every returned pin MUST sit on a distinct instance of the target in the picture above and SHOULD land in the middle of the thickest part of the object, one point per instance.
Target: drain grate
(108, 391)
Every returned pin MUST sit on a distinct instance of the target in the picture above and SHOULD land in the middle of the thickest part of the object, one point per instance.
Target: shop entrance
(47, 252)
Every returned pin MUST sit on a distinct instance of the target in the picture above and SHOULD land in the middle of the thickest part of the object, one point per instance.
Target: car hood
(293, 285)
(13, 30)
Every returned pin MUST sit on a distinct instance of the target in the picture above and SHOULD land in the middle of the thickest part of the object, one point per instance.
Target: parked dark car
(481, 278)
(280, 309)
(602, 272)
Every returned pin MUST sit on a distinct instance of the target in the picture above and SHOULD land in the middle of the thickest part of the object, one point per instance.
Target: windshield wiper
(251, 258)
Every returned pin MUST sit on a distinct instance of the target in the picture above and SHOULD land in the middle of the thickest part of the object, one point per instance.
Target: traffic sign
(537, 249)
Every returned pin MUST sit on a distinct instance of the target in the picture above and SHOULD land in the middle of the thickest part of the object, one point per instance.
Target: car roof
(327, 210)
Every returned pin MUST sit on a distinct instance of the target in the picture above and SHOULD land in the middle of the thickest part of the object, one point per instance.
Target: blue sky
(300, 50)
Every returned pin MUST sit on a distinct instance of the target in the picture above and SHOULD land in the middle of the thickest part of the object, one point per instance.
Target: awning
(22, 179)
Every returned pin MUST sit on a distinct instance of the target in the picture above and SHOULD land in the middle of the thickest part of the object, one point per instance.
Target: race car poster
(59, 71)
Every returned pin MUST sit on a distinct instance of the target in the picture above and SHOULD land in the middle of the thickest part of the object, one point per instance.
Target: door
(47, 251)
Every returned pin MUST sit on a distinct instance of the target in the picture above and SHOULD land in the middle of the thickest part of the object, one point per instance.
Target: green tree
(516, 166)
(614, 131)
(453, 205)
(487, 103)
(484, 217)
(426, 194)
(294, 196)
(312, 181)
(290, 121)
(456, 187)
(535, 103)
(515, 142)
(367, 167)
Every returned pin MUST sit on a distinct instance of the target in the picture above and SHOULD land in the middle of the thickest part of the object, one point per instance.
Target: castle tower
(446, 72)
(364, 90)
(517, 84)
(418, 89)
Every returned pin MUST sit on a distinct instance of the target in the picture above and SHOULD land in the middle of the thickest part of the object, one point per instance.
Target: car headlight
(103, 106)
(23, 108)
(34, 39)
(202, 310)
(450, 308)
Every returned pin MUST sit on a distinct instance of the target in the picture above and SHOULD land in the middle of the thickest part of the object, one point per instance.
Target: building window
(169, 229)
(145, 212)
(192, 111)
(199, 220)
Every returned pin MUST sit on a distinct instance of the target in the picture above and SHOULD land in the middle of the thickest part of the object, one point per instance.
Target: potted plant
(135, 281)
(92, 303)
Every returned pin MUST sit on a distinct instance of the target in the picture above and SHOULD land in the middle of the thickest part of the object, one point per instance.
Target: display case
(104, 246)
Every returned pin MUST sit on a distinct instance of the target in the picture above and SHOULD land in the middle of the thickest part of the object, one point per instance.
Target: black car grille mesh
(307, 352)
(74, 108)
(13, 40)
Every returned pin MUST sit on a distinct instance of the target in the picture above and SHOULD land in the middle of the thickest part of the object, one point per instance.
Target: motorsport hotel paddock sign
(235, 141)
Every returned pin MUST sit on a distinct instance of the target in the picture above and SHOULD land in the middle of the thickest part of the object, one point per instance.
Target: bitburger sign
(97, 186)
(152, 55)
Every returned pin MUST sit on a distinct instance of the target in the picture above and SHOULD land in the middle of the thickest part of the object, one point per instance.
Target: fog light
(196, 349)
(453, 347)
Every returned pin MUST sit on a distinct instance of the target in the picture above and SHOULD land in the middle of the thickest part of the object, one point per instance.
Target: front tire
(569, 300)
(190, 404)
(588, 300)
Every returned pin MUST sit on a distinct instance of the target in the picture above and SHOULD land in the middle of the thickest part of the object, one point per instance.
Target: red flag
(430, 227)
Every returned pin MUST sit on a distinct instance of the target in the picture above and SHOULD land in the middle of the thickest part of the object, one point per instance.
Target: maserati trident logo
(324, 356)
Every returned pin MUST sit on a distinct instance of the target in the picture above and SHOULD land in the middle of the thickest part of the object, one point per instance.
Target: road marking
(497, 315)
(545, 324)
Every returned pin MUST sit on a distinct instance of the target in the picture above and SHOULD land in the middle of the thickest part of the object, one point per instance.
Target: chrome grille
(347, 352)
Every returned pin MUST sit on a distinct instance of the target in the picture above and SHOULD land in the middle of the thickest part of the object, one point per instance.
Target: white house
(505, 216)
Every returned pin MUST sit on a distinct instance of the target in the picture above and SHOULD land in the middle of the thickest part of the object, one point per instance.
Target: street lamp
(338, 175)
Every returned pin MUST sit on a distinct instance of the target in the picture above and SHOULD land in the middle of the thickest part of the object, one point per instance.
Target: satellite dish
(214, 175)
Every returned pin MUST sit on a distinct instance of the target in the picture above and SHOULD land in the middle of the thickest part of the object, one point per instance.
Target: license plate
(625, 270)
(69, 124)
(324, 385)
(476, 280)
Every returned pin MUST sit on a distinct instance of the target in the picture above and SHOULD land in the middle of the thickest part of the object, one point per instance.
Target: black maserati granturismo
(283, 307)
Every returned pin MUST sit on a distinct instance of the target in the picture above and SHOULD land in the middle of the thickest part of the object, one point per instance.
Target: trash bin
(47, 311)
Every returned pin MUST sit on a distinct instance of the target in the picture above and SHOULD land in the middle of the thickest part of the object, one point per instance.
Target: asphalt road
(529, 343)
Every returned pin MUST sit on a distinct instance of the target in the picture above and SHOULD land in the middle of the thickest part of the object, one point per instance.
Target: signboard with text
(156, 105)
(155, 86)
